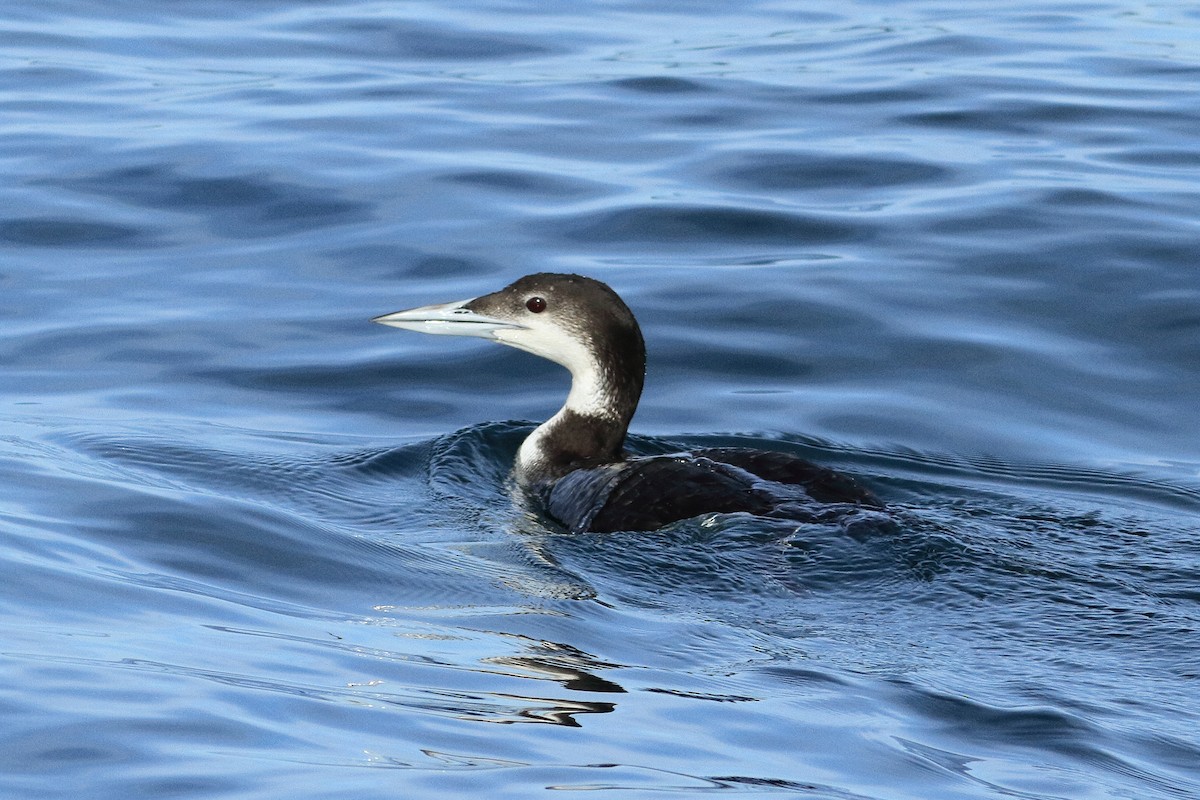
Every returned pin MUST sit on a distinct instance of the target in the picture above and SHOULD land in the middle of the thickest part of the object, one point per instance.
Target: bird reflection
(558, 664)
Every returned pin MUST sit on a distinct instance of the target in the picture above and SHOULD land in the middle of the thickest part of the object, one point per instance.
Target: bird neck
(590, 428)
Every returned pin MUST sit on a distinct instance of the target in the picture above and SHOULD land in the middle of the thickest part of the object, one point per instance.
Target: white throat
(590, 396)
(595, 397)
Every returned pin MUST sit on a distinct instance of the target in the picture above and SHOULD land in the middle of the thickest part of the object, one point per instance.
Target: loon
(575, 464)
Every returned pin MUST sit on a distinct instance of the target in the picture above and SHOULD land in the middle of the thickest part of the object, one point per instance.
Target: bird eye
(536, 304)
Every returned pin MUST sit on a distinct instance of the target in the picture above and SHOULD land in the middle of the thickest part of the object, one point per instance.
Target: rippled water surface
(255, 547)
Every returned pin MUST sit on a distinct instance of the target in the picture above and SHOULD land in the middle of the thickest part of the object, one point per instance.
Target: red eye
(536, 304)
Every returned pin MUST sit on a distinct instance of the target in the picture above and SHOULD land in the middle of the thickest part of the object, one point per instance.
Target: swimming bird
(575, 464)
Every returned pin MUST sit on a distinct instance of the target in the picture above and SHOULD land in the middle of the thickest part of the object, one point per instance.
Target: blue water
(254, 547)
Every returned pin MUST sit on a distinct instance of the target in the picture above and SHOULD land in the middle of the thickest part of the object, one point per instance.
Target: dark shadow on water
(74, 233)
(240, 206)
(721, 226)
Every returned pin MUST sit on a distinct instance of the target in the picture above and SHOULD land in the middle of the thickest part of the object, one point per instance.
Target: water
(256, 547)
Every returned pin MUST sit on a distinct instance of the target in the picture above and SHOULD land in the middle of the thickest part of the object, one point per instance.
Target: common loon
(575, 463)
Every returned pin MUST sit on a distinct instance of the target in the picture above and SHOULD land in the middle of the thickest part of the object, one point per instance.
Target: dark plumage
(574, 464)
